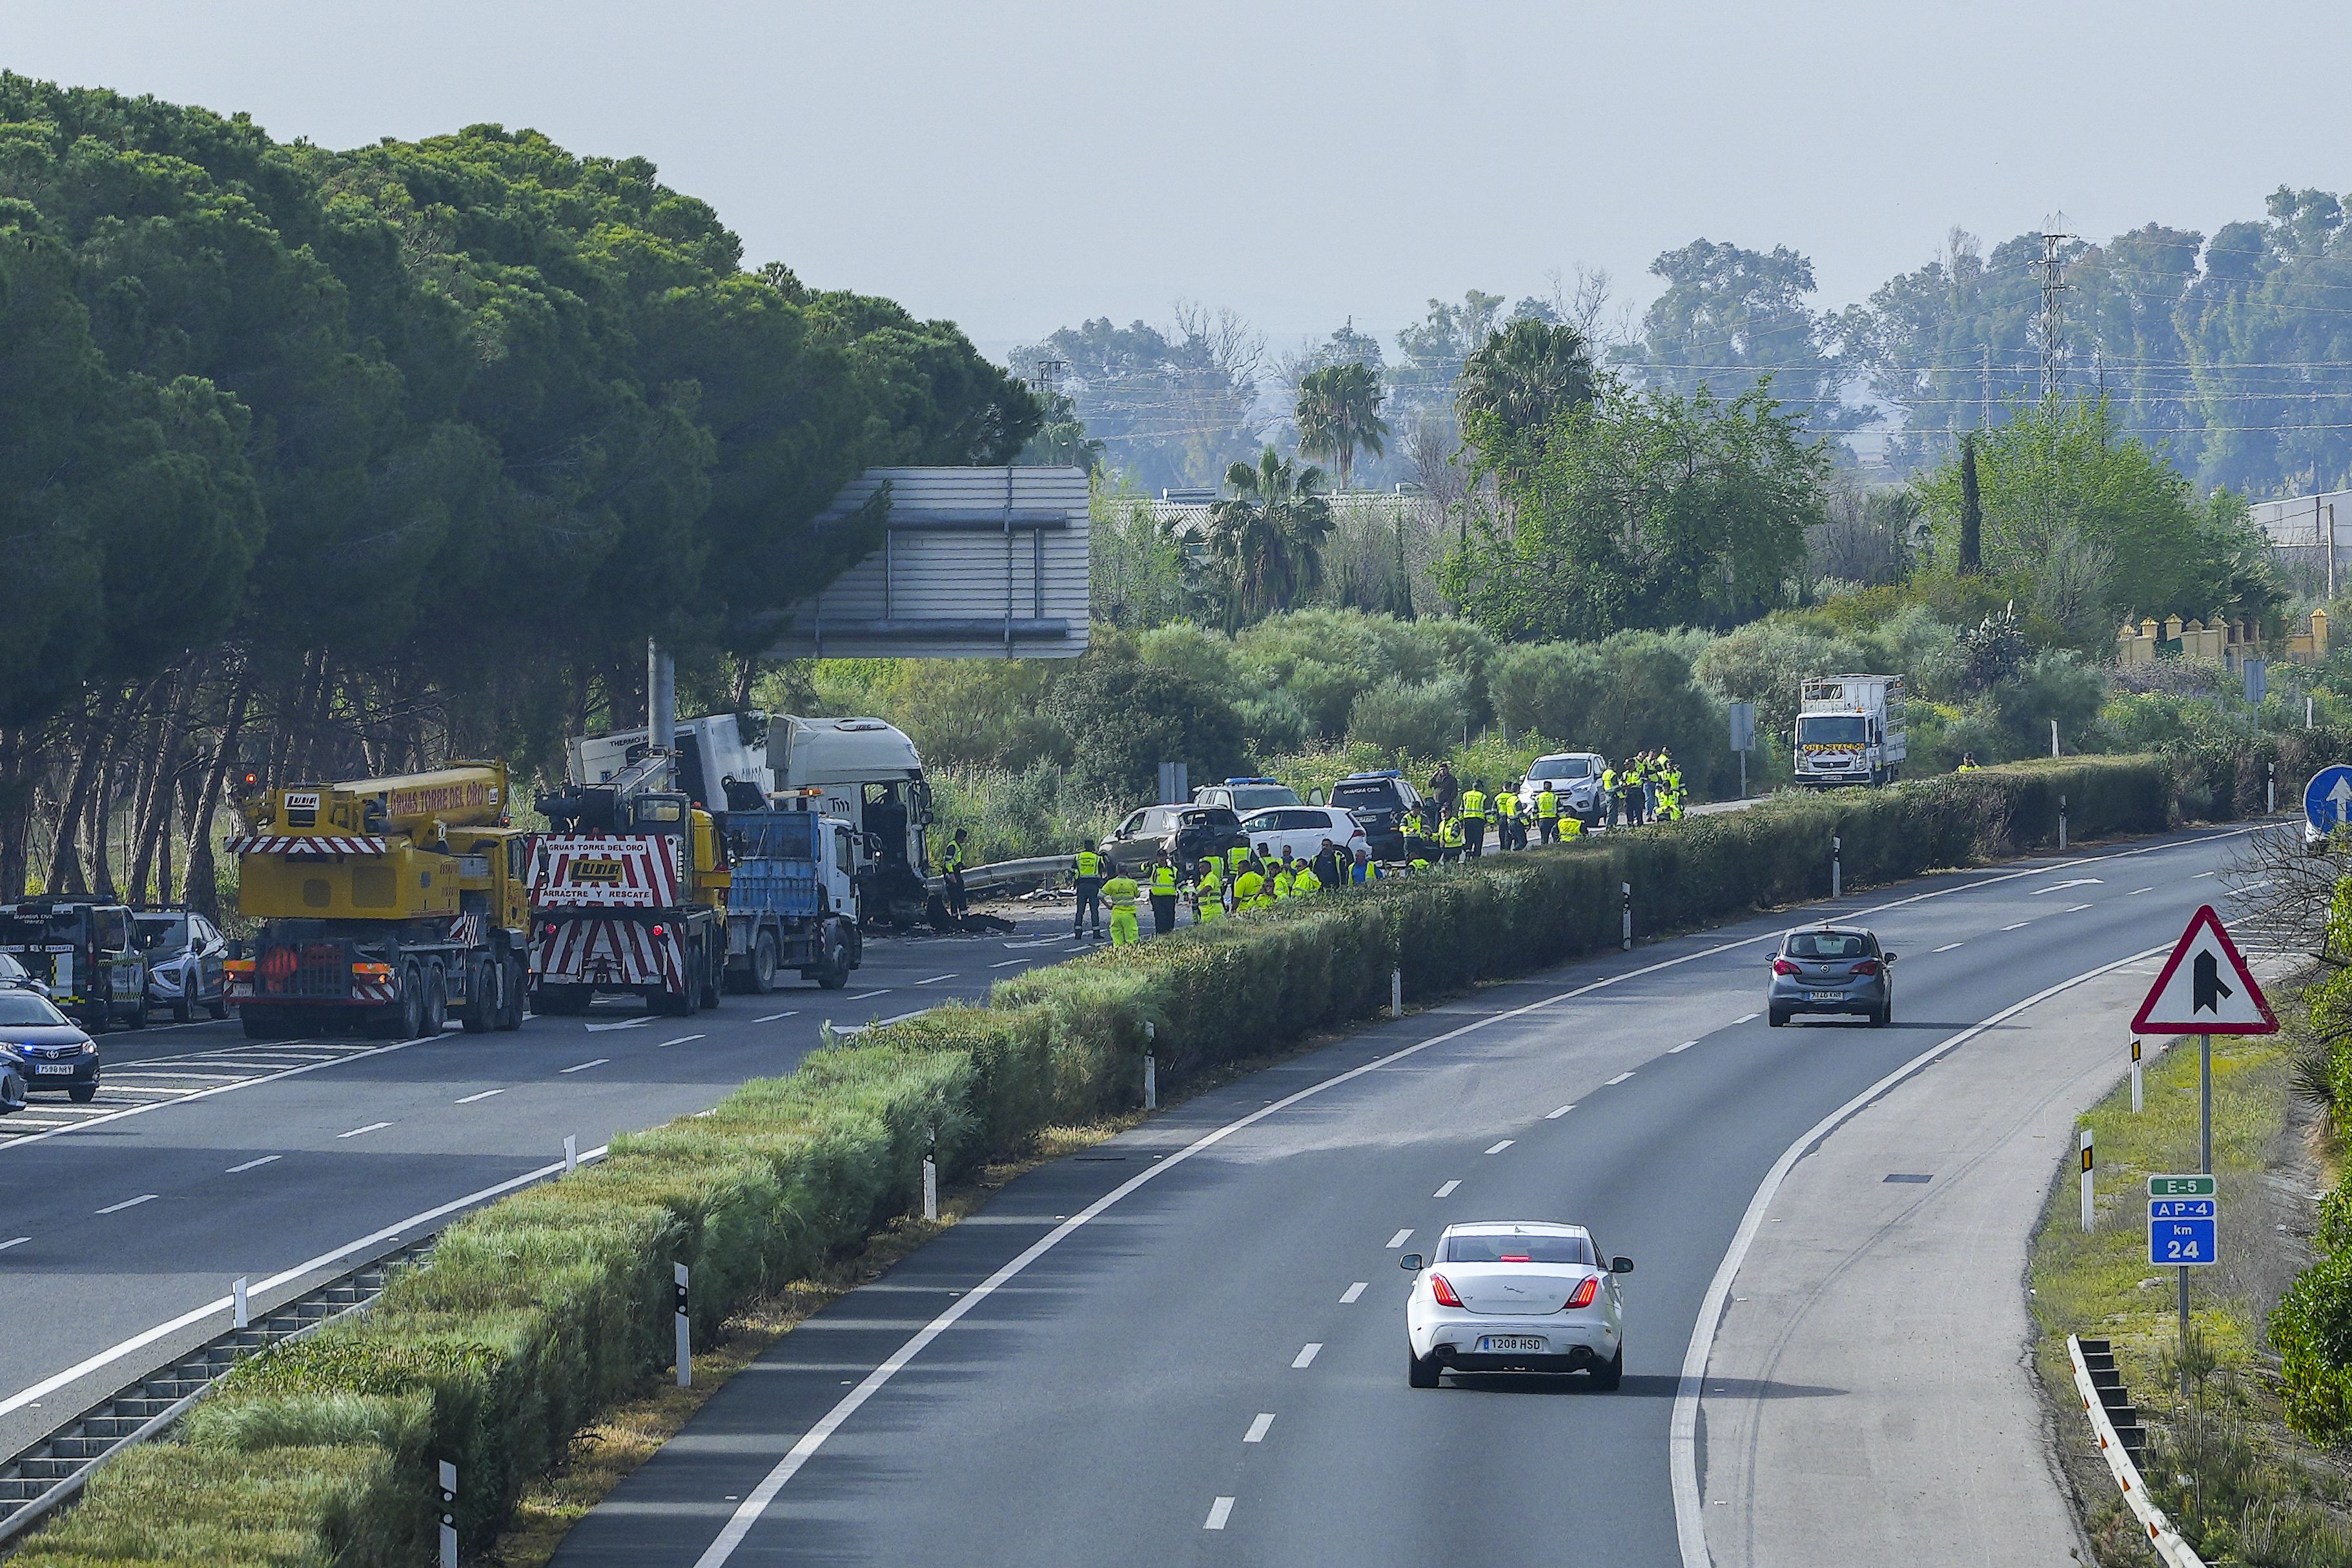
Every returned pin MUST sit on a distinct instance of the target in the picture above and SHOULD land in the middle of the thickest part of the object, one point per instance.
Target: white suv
(1301, 830)
(1575, 777)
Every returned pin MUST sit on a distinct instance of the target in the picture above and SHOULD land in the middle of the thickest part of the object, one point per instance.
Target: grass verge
(2221, 1462)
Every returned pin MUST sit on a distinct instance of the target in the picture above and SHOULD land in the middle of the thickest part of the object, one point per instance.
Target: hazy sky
(1018, 166)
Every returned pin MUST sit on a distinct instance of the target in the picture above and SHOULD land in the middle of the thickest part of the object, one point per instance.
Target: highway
(1186, 1345)
(207, 1157)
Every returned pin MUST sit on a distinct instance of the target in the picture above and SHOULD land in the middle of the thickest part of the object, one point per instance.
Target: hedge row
(543, 1310)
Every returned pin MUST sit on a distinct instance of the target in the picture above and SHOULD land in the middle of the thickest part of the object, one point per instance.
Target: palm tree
(1266, 537)
(1339, 411)
(1518, 382)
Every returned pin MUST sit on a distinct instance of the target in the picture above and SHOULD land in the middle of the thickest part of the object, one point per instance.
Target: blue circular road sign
(2327, 798)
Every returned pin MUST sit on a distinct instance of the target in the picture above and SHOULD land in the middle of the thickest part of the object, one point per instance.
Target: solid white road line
(1678, 1049)
(625, 1023)
(1447, 1190)
(584, 1066)
(1947, 947)
(1619, 1079)
(1400, 1239)
(371, 1127)
(129, 1203)
(252, 1165)
(1556, 1115)
(485, 1094)
(392, 1232)
(1682, 1440)
(935, 979)
(771, 1017)
(1347, 1297)
(1306, 1358)
(756, 1504)
(1506, 1143)
(13, 1241)
(1219, 1511)
(1257, 1433)
(681, 1039)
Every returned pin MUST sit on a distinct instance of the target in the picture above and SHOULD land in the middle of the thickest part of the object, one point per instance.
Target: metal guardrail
(986, 878)
(2122, 1443)
(38, 1481)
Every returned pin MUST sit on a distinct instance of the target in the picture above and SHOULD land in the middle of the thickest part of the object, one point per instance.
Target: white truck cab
(1850, 730)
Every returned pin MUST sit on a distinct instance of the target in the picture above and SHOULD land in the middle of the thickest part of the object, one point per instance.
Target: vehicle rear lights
(661, 930)
(1783, 967)
(1443, 1291)
(548, 929)
(1584, 1294)
(1867, 967)
(371, 971)
(240, 966)
(1514, 1258)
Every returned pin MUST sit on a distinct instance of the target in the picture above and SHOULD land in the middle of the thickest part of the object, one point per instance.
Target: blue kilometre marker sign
(2183, 1216)
(2327, 798)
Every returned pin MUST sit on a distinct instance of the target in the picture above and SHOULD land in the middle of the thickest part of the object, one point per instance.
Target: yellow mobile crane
(388, 901)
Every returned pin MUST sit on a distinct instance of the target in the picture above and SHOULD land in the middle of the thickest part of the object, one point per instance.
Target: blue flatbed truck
(792, 903)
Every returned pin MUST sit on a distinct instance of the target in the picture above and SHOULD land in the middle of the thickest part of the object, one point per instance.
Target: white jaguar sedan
(1503, 1296)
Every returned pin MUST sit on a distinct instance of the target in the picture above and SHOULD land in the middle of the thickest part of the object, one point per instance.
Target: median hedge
(548, 1307)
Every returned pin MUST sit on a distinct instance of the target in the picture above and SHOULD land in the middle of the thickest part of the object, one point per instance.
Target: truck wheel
(714, 974)
(410, 1011)
(510, 994)
(763, 964)
(481, 995)
(437, 1002)
(835, 972)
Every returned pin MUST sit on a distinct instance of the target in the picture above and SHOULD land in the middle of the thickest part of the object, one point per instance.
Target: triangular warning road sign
(2205, 988)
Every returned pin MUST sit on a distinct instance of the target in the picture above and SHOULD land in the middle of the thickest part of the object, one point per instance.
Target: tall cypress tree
(1971, 510)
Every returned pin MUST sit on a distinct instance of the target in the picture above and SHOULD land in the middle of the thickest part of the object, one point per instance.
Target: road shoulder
(1869, 1396)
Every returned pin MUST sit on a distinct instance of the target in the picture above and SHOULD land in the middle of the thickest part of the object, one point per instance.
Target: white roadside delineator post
(931, 1176)
(244, 1307)
(448, 1515)
(571, 1153)
(1626, 891)
(2087, 1161)
(1837, 864)
(2135, 1075)
(1150, 1069)
(2062, 824)
(1396, 993)
(682, 1302)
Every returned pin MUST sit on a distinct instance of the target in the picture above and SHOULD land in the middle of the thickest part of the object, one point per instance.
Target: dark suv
(82, 950)
(1380, 803)
(1190, 833)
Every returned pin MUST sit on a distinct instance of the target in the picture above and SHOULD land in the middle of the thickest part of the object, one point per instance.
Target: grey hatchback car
(1831, 969)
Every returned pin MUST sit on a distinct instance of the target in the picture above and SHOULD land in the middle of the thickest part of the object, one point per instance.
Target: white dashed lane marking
(1556, 1115)
(1678, 1049)
(1947, 947)
(13, 1241)
(584, 1066)
(1347, 1297)
(252, 1165)
(371, 1127)
(1747, 1018)
(681, 1039)
(1257, 1433)
(1219, 1511)
(1506, 1143)
(1447, 1190)
(1400, 1239)
(1306, 1358)
(1619, 1079)
(129, 1203)
(771, 1017)
(2019, 926)
(485, 1094)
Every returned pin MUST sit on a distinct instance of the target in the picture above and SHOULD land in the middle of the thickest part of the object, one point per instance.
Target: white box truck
(1850, 730)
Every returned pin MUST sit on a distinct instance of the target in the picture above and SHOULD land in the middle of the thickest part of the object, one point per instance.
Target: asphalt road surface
(207, 1157)
(1187, 1345)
